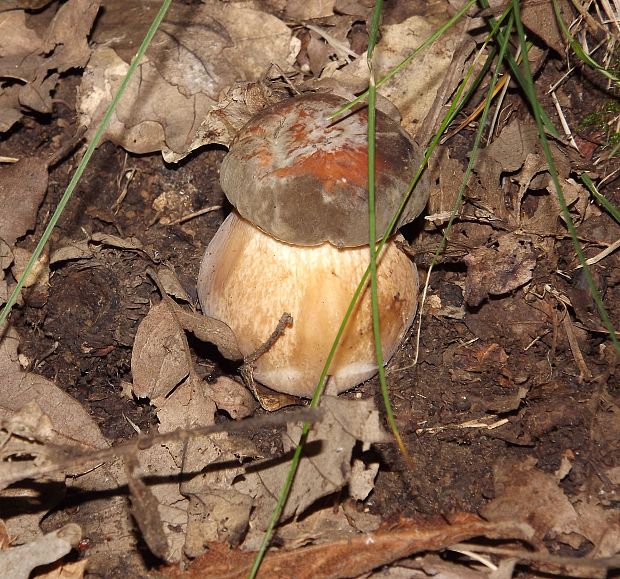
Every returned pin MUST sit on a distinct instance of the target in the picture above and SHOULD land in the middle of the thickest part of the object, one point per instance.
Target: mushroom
(297, 242)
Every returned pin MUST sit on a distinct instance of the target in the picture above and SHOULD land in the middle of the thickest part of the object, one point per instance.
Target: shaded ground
(494, 384)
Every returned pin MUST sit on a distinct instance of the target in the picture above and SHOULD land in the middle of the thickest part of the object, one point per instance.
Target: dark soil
(468, 370)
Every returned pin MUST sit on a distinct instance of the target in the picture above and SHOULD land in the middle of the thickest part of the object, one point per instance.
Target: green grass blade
(601, 199)
(536, 107)
(84, 161)
(405, 62)
(518, 76)
(578, 49)
(372, 230)
(503, 51)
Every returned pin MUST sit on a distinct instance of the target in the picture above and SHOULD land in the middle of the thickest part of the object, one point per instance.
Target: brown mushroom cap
(302, 177)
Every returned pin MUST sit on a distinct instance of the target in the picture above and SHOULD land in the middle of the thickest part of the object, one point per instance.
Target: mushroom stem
(248, 278)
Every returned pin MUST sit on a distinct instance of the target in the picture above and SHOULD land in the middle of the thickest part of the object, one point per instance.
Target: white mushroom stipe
(248, 279)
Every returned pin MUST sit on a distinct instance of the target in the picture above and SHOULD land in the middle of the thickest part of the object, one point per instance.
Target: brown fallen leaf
(498, 271)
(540, 19)
(307, 9)
(199, 51)
(414, 92)
(161, 359)
(236, 106)
(349, 557)
(18, 562)
(524, 493)
(22, 187)
(160, 356)
(36, 60)
(234, 398)
(325, 468)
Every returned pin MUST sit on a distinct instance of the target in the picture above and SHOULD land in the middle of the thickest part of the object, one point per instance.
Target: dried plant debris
(514, 185)
(325, 468)
(351, 556)
(161, 358)
(18, 562)
(22, 187)
(527, 494)
(31, 64)
(496, 271)
(45, 425)
(235, 107)
(414, 91)
(199, 51)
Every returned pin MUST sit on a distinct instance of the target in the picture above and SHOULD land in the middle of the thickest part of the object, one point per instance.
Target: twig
(145, 442)
(563, 122)
(584, 372)
(602, 563)
(603, 254)
(331, 40)
(195, 214)
(285, 320)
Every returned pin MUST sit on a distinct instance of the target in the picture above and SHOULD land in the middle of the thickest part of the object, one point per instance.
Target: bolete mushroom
(297, 241)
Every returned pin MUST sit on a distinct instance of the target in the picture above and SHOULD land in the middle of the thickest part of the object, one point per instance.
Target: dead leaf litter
(133, 437)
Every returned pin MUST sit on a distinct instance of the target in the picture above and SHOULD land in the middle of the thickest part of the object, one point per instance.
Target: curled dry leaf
(498, 271)
(232, 397)
(325, 469)
(198, 52)
(18, 562)
(29, 57)
(160, 356)
(22, 188)
(351, 557)
(234, 109)
(516, 153)
(160, 359)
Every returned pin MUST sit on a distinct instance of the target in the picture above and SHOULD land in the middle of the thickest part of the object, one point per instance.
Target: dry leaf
(22, 188)
(37, 61)
(524, 493)
(540, 19)
(325, 469)
(308, 9)
(198, 52)
(17, 38)
(349, 557)
(171, 284)
(191, 504)
(160, 356)
(234, 109)
(232, 397)
(414, 91)
(72, 424)
(498, 271)
(18, 562)
(211, 330)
